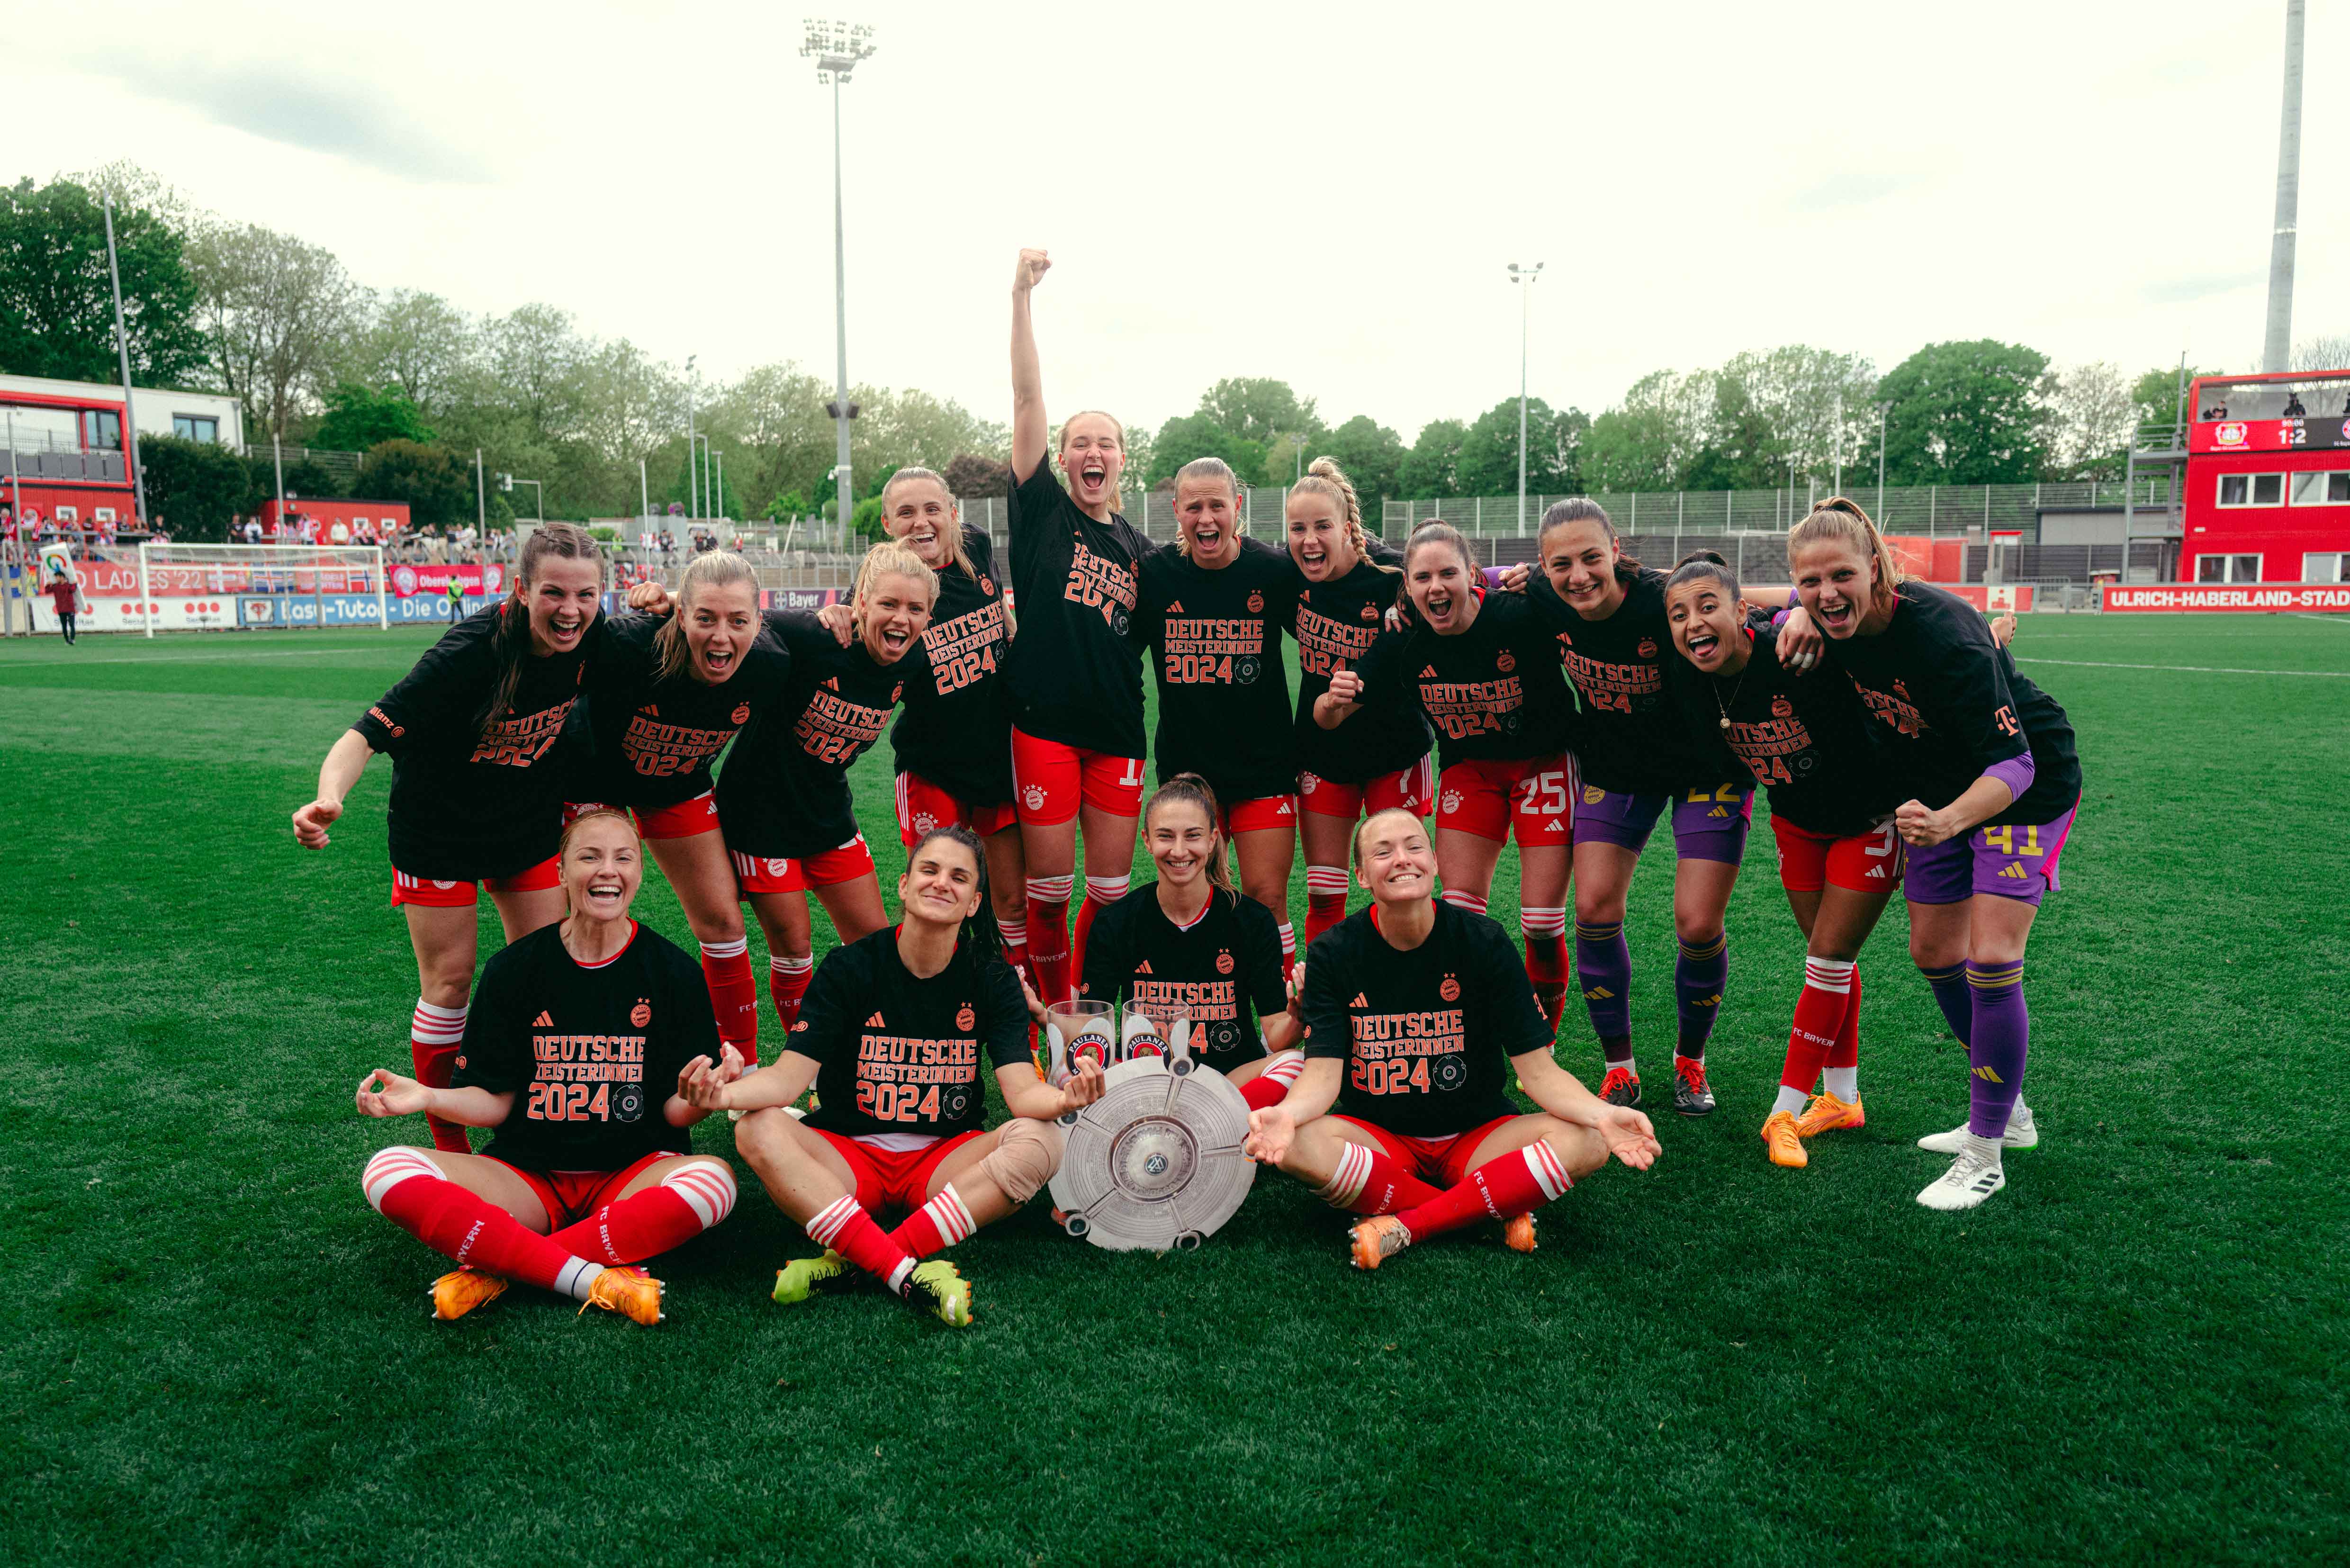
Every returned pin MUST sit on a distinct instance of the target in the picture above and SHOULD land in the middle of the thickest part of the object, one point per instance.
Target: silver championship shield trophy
(1156, 1162)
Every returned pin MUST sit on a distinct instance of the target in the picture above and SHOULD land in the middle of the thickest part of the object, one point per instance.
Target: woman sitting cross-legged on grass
(575, 1029)
(1416, 1014)
(891, 1035)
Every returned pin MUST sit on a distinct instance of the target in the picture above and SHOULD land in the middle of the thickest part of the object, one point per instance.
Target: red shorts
(1535, 796)
(1407, 789)
(1269, 810)
(1048, 780)
(683, 820)
(892, 1178)
(1441, 1161)
(923, 806)
(570, 1196)
(1864, 863)
(767, 874)
(437, 895)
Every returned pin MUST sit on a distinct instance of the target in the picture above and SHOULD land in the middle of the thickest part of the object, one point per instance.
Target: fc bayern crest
(1156, 1162)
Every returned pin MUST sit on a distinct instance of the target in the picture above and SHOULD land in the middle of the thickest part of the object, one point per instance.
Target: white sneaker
(2021, 1132)
(1974, 1176)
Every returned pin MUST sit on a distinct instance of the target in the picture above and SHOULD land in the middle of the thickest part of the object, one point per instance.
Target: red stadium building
(61, 456)
(2267, 492)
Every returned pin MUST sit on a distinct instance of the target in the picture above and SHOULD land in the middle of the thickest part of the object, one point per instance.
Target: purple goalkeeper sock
(1603, 967)
(2001, 1038)
(1953, 997)
(1699, 976)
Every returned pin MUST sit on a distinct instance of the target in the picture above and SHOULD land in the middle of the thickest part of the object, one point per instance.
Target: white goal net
(258, 587)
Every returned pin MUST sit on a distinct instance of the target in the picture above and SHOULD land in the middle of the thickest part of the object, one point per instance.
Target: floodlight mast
(838, 48)
(2276, 349)
(1525, 305)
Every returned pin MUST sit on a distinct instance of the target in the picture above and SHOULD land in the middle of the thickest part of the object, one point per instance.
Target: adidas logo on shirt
(832, 683)
(1718, 811)
(1143, 968)
(2013, 869)
(544, 1020)
(1428, 673)
(1360, 1000)
(1175, 607)
(875, 1022)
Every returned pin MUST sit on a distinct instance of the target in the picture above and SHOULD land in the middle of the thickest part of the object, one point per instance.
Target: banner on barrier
(2240, 598)
(406, 580)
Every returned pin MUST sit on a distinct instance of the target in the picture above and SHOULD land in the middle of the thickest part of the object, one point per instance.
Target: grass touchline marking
(7, 664)
(2188, 669)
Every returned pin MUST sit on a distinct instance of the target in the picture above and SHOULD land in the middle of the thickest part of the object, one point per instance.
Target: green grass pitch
(212, 1350)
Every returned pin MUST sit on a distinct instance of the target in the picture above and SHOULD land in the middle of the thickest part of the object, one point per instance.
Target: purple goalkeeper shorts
(2016, 860)
(1707, 823)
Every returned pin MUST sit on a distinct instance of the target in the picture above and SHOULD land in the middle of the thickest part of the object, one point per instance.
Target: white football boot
(2021, 1132)
(1974, 1176)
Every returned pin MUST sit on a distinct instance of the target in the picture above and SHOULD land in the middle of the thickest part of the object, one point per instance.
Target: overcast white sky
(1327, 194)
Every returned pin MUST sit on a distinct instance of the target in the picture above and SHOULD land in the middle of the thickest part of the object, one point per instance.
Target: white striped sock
(1288, 940)
(1829, 974)
(1325, 880)
(1052, 889)
(707, 1188)
(1284, 1067)
(431, 1025)
(578, 1278)
(1347, 1184)
(832, 1220)
(1473, 902)
(726, 949)
(948, 1213)
(1549, 1170)
(391, 1167)
(1538, 924)
(1107, 889)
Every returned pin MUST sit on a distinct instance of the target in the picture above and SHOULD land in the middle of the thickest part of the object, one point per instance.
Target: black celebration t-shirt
(898, 1053)
(784, 792)
(1076, 675)
(1336, 623)
(1808, 742)
(591, 1053)
(1957, 704)
(1427, 1034)
(1215, 639)
(656, 737)
(961, 739)
(1493, 693)
(1224, 969)
(466, 803)
(1629, 739)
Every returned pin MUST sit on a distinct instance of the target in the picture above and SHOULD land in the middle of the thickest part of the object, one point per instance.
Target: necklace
(1720, 707)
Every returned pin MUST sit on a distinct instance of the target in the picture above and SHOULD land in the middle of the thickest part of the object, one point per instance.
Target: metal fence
(1928, 509)
(344, 464)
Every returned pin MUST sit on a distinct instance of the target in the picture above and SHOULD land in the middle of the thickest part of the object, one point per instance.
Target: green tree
(2092, 414)
(276, 313)
(1796, 392)
(193, 488)
(970, 475)
(1966, 413)
(417, 342)
(1651, 441)
(2158, 395)
(437, 485)
(358, 419)
(1488, 460)
(1190, 436)
(56, 303)
(1257, 409)
(1741, 451)
(1431, 470)
(1372, 456)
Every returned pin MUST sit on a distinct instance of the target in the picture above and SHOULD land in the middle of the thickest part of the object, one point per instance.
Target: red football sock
(1100, 893)
(941, 1222)
(1846, 1052)
(1819, 1015)
(733, 994)
(1516, 1183)
(1370, 1182)
(1545, 933)
(689, 1200)
(1015, 945)
(471, 1230)
(1326, 899)
(1048, 937)
(1261, 1092)
(787, 981)
(848, 1230)
(435, 1036)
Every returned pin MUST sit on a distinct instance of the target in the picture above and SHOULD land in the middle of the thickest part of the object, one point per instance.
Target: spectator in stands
(2293, 409)
(65, 594)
